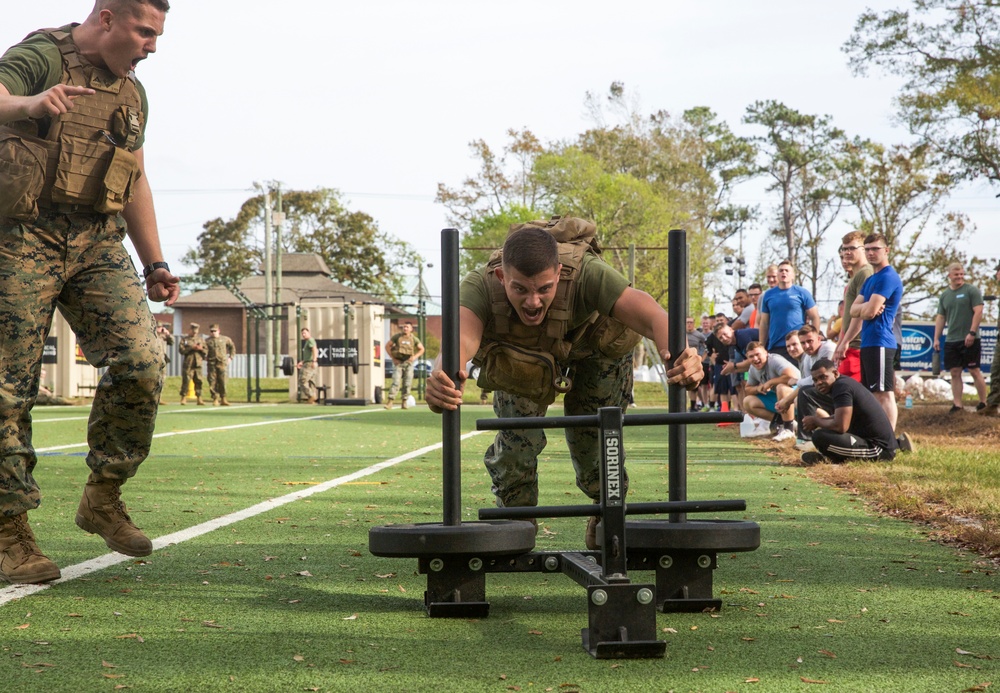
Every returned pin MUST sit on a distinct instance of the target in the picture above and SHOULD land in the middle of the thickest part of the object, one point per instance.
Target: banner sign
(333, 352)
(918, 354)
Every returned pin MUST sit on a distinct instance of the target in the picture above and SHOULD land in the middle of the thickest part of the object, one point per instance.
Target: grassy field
(262, 581)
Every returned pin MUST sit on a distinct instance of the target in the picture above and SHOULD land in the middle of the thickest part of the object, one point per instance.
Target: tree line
(637, 175)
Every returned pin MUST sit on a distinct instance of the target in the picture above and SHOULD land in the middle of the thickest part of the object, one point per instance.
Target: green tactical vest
(533, 360)
(84, 160)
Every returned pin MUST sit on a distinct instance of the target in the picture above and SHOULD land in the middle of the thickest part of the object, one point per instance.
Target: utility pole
(279, 220)
(268, 288)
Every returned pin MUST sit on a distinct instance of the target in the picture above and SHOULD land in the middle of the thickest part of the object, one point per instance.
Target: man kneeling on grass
(858, 429)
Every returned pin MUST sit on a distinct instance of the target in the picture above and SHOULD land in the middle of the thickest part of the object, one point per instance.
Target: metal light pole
(421, 322)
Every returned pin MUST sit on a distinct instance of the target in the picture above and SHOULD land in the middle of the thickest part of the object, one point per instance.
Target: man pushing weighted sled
(548, 315)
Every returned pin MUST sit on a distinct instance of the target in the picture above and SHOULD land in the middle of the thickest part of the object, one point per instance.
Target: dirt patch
(929, 425)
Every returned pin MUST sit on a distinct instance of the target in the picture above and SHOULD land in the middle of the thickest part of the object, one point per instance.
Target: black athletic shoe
(980, 406)
(775, 422)
(955, 409)
(811, 458)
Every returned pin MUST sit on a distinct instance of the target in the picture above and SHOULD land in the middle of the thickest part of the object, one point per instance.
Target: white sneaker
(805, 446)
(783, 435)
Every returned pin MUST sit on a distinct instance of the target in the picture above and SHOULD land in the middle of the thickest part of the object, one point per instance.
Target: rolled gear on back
(535, 361)
(64, 164)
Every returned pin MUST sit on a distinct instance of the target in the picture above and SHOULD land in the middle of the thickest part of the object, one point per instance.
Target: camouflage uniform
(597, 381)
(401, 347)
(307, 373)
(512, 459)
(193, 351)
(78, 263)
(219, 350)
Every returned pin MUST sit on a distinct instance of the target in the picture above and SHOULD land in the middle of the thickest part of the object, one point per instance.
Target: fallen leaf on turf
(535, 632)
(304, 573)
(751, 680)
(956, 613)
(827, 653)
(833, 620)
(74, 615)
(960, 651)
(347, 661)
(352, 617)
(108, 665)
(385, 575)
(22, 626)
(503, 677)
(113, 676)
(401, 588)
(211, 624)
(670, 630)
(960, 665)
(978, 687)
(803, 679)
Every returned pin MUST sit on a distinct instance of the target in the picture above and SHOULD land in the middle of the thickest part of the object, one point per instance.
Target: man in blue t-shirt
(783, 308)
(877, 304)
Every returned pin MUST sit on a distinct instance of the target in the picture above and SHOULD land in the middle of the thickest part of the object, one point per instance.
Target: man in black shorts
(960, 306)
(859, 428)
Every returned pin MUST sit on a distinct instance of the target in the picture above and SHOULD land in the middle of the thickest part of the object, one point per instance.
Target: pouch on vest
(22, 176)
(116, 188)
(530, 374)
(611, 338)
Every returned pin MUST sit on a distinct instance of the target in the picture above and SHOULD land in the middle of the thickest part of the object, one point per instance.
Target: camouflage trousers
(79, 264)
(217, 378)
(307, 383)
(402, 377)
(189, 374)
(512, 459)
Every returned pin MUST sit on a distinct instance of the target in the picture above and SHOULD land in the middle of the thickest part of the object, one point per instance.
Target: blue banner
(918, 355)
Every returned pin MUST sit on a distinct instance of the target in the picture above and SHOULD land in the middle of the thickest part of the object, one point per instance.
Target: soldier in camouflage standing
(72, 184)
(193, 349)
(545, 317)
(404, 348)
(308, 362)
(220, 350)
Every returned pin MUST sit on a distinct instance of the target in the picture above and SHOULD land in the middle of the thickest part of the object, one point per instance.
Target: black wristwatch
(973, 333)
(152, 267)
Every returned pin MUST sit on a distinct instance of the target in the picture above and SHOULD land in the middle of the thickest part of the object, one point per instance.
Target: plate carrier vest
(82, 161)
(534, 361)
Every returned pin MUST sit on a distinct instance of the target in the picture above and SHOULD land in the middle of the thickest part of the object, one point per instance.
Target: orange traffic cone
(725, 408)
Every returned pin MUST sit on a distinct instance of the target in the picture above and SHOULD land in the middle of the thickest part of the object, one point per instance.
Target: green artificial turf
(836, 598)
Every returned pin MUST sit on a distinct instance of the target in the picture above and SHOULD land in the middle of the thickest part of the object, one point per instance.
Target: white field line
(73, 572)
(225, 428)
(35, 422)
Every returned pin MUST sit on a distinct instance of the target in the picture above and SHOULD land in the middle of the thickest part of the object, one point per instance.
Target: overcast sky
(380, 99)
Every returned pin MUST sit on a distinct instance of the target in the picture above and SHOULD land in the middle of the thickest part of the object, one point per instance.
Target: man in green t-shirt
(960, 307)
(307, 365)
(72, 183)
(598, 367)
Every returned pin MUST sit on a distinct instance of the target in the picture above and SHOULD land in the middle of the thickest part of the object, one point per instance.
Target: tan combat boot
(224, 402)
(184, 399)
(215, 401)
(200, 402)
(406, 404)
(20, 559)
(388, 403)
(102, 512)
